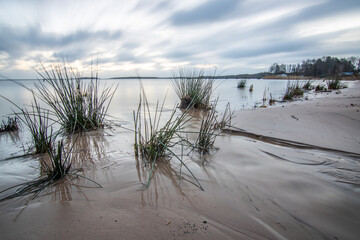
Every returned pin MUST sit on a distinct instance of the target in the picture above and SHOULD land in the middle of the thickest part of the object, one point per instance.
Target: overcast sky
(152, 37)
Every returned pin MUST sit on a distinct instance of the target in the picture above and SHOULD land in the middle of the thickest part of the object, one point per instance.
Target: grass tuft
(152, 142)
(193, 87)
(335, 84)
(59, 164)
(293, 90)
(210, 126)
(308, 85)
(77, 103)
(58, 167)
(320, 88)
(12, 124)
(37, 121)
(242, 83)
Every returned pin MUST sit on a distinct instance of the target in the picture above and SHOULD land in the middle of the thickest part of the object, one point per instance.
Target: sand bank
(329, 120)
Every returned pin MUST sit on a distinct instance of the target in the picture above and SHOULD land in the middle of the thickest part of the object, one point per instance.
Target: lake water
(126, 100)
(126, 97)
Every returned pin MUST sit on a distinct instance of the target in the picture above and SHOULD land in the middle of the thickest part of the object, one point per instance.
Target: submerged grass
(37, 122)
(210, 128)
(154, 142)
(308, 85)
(78, 104)
(151, 140)
(58, 168)
(193, 87)
(320, 88)
(242, 83)
(335, 84)
(293, 90)
(11, 124)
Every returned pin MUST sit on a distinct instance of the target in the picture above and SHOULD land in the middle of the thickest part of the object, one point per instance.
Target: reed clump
(53, 169)
(308, 85)
(193, 87)
(293, 90)
(78, 104)
(320, 88)
(60, 163)
(9, 125)
(335, 84)
(153, 142)
(57, 168)
(210, 128)
(242, 83)
(37, 121)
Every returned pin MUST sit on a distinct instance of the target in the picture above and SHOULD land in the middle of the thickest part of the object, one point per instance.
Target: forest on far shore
(321, 67)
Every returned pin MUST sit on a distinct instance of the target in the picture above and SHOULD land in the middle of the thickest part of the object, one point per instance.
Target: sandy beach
(287, 172)
(330, 120)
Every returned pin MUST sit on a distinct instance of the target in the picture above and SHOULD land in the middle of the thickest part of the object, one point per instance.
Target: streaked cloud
(153, 36)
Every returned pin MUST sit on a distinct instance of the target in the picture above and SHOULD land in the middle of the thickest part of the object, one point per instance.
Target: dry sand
(253, 189)
(331, 120)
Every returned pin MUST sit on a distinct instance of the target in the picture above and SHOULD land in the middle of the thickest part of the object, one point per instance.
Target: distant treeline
(321, 67)
(237, 76)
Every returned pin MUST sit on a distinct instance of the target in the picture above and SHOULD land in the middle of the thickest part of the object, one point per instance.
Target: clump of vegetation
(193, 87)
(335, 84)
(153, 142)
(59, 163)
(78, 105)
(308, 85)
(251, 88)
(320, 88)
(293, 90)
(242, 83)
(58, 168)
(225, 119)
(207, 133)
(55, 168)
(12, 124)
(37, 121)
(209, 128)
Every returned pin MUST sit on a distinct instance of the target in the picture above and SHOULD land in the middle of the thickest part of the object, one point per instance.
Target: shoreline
(329, 121)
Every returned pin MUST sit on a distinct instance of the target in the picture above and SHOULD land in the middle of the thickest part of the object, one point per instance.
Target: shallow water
(127, 95)
(252, 189)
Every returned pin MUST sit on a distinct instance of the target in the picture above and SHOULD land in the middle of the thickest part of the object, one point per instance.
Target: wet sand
(253, 189)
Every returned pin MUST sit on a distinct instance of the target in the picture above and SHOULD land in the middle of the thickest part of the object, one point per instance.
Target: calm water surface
(126, 97)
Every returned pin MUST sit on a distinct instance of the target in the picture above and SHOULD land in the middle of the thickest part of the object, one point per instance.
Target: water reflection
(13, 136)
(88, 149)
(88, 154)
(166, 184)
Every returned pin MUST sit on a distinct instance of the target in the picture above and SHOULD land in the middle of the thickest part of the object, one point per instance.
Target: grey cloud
(16, 41)
(305, 46)
(312, 13)
(210, 11)
(180, 54)
(277, 47)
